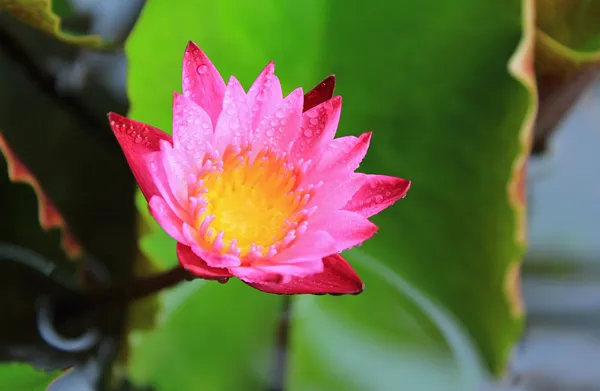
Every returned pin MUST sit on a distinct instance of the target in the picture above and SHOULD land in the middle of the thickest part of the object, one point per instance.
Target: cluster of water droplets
(313, 124)
(137, 133)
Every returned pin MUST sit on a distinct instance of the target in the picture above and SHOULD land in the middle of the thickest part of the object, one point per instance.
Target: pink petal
(318, 128)
(322, 92)
(278, 272)
(201, 82)
(233, 126)
(137, 140)
(311, 244)
(280, 127)
(345, 153)
(265, 94)
(192, 128)
(337, 278)
(378, 193)
(178, 172)
(197, 266)
(154, 160)
(337, 189)
(348, 229)
(212, 257)
(166, 218)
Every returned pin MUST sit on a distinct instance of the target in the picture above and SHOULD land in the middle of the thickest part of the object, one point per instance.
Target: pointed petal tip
(191, 45)
(320, 93)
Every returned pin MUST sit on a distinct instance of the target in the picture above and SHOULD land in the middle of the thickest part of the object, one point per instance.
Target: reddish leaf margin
(48, 214)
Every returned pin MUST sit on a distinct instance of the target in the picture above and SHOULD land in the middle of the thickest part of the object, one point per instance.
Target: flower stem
(102, 299)
(282, 346)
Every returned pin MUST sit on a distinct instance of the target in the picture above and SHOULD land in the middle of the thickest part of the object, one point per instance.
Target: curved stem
(100, 299)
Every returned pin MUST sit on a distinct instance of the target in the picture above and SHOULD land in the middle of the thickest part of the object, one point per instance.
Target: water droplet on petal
(270, 132)
(223, 280)
(312, 113)
(279, 113)
(201, 69)
(307, 133)
(378, 199)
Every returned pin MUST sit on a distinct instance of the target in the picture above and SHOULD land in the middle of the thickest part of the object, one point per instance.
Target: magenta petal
(348, 229)
(264, 94)
(318, 128)
(166, 218)
(193, 131)
(279, 128)
(196, 265)
(201, 82)
(345, 153)
(233, 125)
(337, 278)
(137, 140)
(322, 92)
(377, 193)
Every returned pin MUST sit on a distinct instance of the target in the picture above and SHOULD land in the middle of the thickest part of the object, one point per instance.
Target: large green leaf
(22, 377)
(449, 110)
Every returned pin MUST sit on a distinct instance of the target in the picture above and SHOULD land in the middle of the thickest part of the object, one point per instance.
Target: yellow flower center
(251, 207)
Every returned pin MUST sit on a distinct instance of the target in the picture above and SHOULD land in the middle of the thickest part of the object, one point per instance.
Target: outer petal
(310, 245)
(344, 153)
(233, 125)
(179, 172)
(280, 127)
(378, 193)
(160, 179)
(336, 172)
(337, 278)
(279, 273)
(265, 94)
(201, 82)
(197, 266)
(334, 193)
(166, 218)
(322, 92)
(348, 229)
(138, 140)
(192, 128)
(318, 128)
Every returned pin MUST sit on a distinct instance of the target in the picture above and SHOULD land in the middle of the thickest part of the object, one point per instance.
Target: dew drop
(279, 113)
(273, 122)
(270, 132)
(307, 133)
(314, 121)
(312, 114)
(201, 69)
(378, 199)
(223, 280)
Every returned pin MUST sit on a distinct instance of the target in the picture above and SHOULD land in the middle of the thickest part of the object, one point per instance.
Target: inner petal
(252, 205)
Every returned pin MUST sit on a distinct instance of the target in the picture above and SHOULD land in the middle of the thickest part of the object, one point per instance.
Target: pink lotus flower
(254, 185)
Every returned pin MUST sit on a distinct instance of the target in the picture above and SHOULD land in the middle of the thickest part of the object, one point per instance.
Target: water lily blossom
(254, 185)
